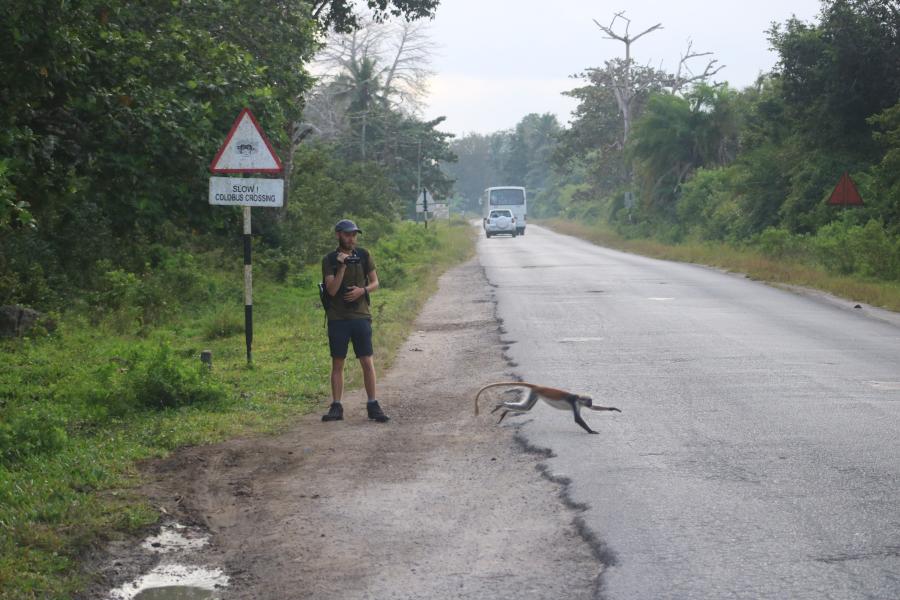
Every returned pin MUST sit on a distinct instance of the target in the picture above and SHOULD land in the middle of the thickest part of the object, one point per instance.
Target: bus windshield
(505, 197)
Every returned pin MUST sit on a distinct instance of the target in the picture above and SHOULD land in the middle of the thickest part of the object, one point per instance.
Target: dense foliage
(110, 113)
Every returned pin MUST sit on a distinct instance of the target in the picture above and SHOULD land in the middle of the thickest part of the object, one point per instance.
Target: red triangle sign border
(845, 193)
(246, 111)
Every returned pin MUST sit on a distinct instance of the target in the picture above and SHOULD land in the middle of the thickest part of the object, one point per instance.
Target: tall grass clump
(159, 379)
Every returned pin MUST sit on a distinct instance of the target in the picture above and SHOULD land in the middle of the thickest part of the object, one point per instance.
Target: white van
(509, 197)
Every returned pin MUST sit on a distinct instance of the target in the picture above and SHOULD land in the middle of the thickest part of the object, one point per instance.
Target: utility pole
(419, 181)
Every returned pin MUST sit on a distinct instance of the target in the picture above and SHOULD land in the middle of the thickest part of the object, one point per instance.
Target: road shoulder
(436, 503)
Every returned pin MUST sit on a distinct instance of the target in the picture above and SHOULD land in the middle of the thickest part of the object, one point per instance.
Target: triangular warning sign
(845, 193)
(246, 149)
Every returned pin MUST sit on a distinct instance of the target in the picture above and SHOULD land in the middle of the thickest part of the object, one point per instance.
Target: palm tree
(359, 88)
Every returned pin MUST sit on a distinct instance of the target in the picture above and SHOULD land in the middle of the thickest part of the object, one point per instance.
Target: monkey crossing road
(558, 399)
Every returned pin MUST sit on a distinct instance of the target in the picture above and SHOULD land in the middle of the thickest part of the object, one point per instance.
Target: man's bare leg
(336, 411)
(372, 407)
(368, 368)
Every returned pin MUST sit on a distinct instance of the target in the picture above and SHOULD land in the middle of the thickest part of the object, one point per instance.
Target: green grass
(74, 433)
(753, 263)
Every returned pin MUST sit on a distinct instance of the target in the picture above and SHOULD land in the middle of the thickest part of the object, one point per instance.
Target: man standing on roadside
(349, 276)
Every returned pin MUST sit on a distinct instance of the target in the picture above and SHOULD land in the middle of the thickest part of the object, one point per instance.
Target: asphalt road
(757, 455)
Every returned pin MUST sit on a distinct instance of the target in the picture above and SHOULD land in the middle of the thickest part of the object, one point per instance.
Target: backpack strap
(364, 256)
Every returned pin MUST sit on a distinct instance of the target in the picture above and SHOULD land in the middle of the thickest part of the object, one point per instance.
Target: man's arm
(354, 293)
(373, 281)
(333, 282)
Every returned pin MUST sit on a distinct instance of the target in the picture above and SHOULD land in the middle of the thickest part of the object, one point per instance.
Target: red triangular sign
(845, 193)
(246, 149)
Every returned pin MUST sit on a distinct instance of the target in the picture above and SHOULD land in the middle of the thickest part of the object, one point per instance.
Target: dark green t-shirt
(354, 275)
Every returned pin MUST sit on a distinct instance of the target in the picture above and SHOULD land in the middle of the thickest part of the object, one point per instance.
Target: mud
(434, 504)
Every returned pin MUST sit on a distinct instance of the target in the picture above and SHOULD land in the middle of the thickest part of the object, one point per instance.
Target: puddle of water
(174, 538)
(173, 579)
(176, 592)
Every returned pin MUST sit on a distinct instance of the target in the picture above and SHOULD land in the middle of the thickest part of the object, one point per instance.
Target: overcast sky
(497, 60)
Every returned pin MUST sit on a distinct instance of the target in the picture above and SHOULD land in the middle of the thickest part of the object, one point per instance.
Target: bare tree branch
(679, 81)
(612, 35)
(624, 88)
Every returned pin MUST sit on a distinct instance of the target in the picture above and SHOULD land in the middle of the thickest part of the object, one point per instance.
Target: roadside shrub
(115, 288)
(409, 241)
(155, 379)
(878, 254)
(129, 300)
(832, 248)
(779, 243)
(28, 432)
(161, 380)
(706, 207)
(225, 322)
(274, 264)
(868, 250)
(181, 277)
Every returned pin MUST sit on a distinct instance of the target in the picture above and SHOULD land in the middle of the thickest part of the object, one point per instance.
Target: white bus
(509, 197)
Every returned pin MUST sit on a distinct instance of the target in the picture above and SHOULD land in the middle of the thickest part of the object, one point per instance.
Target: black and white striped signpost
(246, 150)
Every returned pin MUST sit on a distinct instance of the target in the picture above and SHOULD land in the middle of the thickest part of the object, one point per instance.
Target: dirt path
(434, 504)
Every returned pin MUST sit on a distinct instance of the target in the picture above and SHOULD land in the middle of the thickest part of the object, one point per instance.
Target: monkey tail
(498, 384)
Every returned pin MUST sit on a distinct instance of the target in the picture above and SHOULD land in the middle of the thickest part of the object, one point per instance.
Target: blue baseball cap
(346, 225)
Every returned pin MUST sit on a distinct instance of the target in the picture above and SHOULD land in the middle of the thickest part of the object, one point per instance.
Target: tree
(593, 143)
(629, 84)
(678, 135)
(473, 171)
(837, 73)
(368, 74)
(340, 15)
(531, 148)
(117, 110)
(625, 86)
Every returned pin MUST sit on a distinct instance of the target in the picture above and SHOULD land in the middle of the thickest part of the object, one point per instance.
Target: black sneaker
(335, 412)
(375, 412)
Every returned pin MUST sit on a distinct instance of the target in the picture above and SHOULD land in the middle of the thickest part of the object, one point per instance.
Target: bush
(156, 379)
(128, 300)
(225, 322)
(29, 432)
(868, 250)
(408, 241)
(779, 243)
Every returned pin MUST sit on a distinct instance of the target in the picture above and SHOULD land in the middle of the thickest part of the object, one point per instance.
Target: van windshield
(506, 197)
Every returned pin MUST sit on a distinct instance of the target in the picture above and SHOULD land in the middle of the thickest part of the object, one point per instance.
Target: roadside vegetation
(678, 163)
(83, 405)
(106, 137)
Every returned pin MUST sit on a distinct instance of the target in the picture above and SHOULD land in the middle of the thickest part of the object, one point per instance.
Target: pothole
(176, 576)
(175, 538)
(173, 582)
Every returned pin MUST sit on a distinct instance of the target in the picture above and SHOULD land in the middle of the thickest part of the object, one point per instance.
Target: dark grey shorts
(341, 333)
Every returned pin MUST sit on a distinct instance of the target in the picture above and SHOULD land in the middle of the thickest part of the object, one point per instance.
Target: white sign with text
(247, 191)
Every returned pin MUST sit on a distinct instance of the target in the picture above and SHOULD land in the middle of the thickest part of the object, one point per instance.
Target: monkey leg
(613, 408)
(580, 421)
(509, 409)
